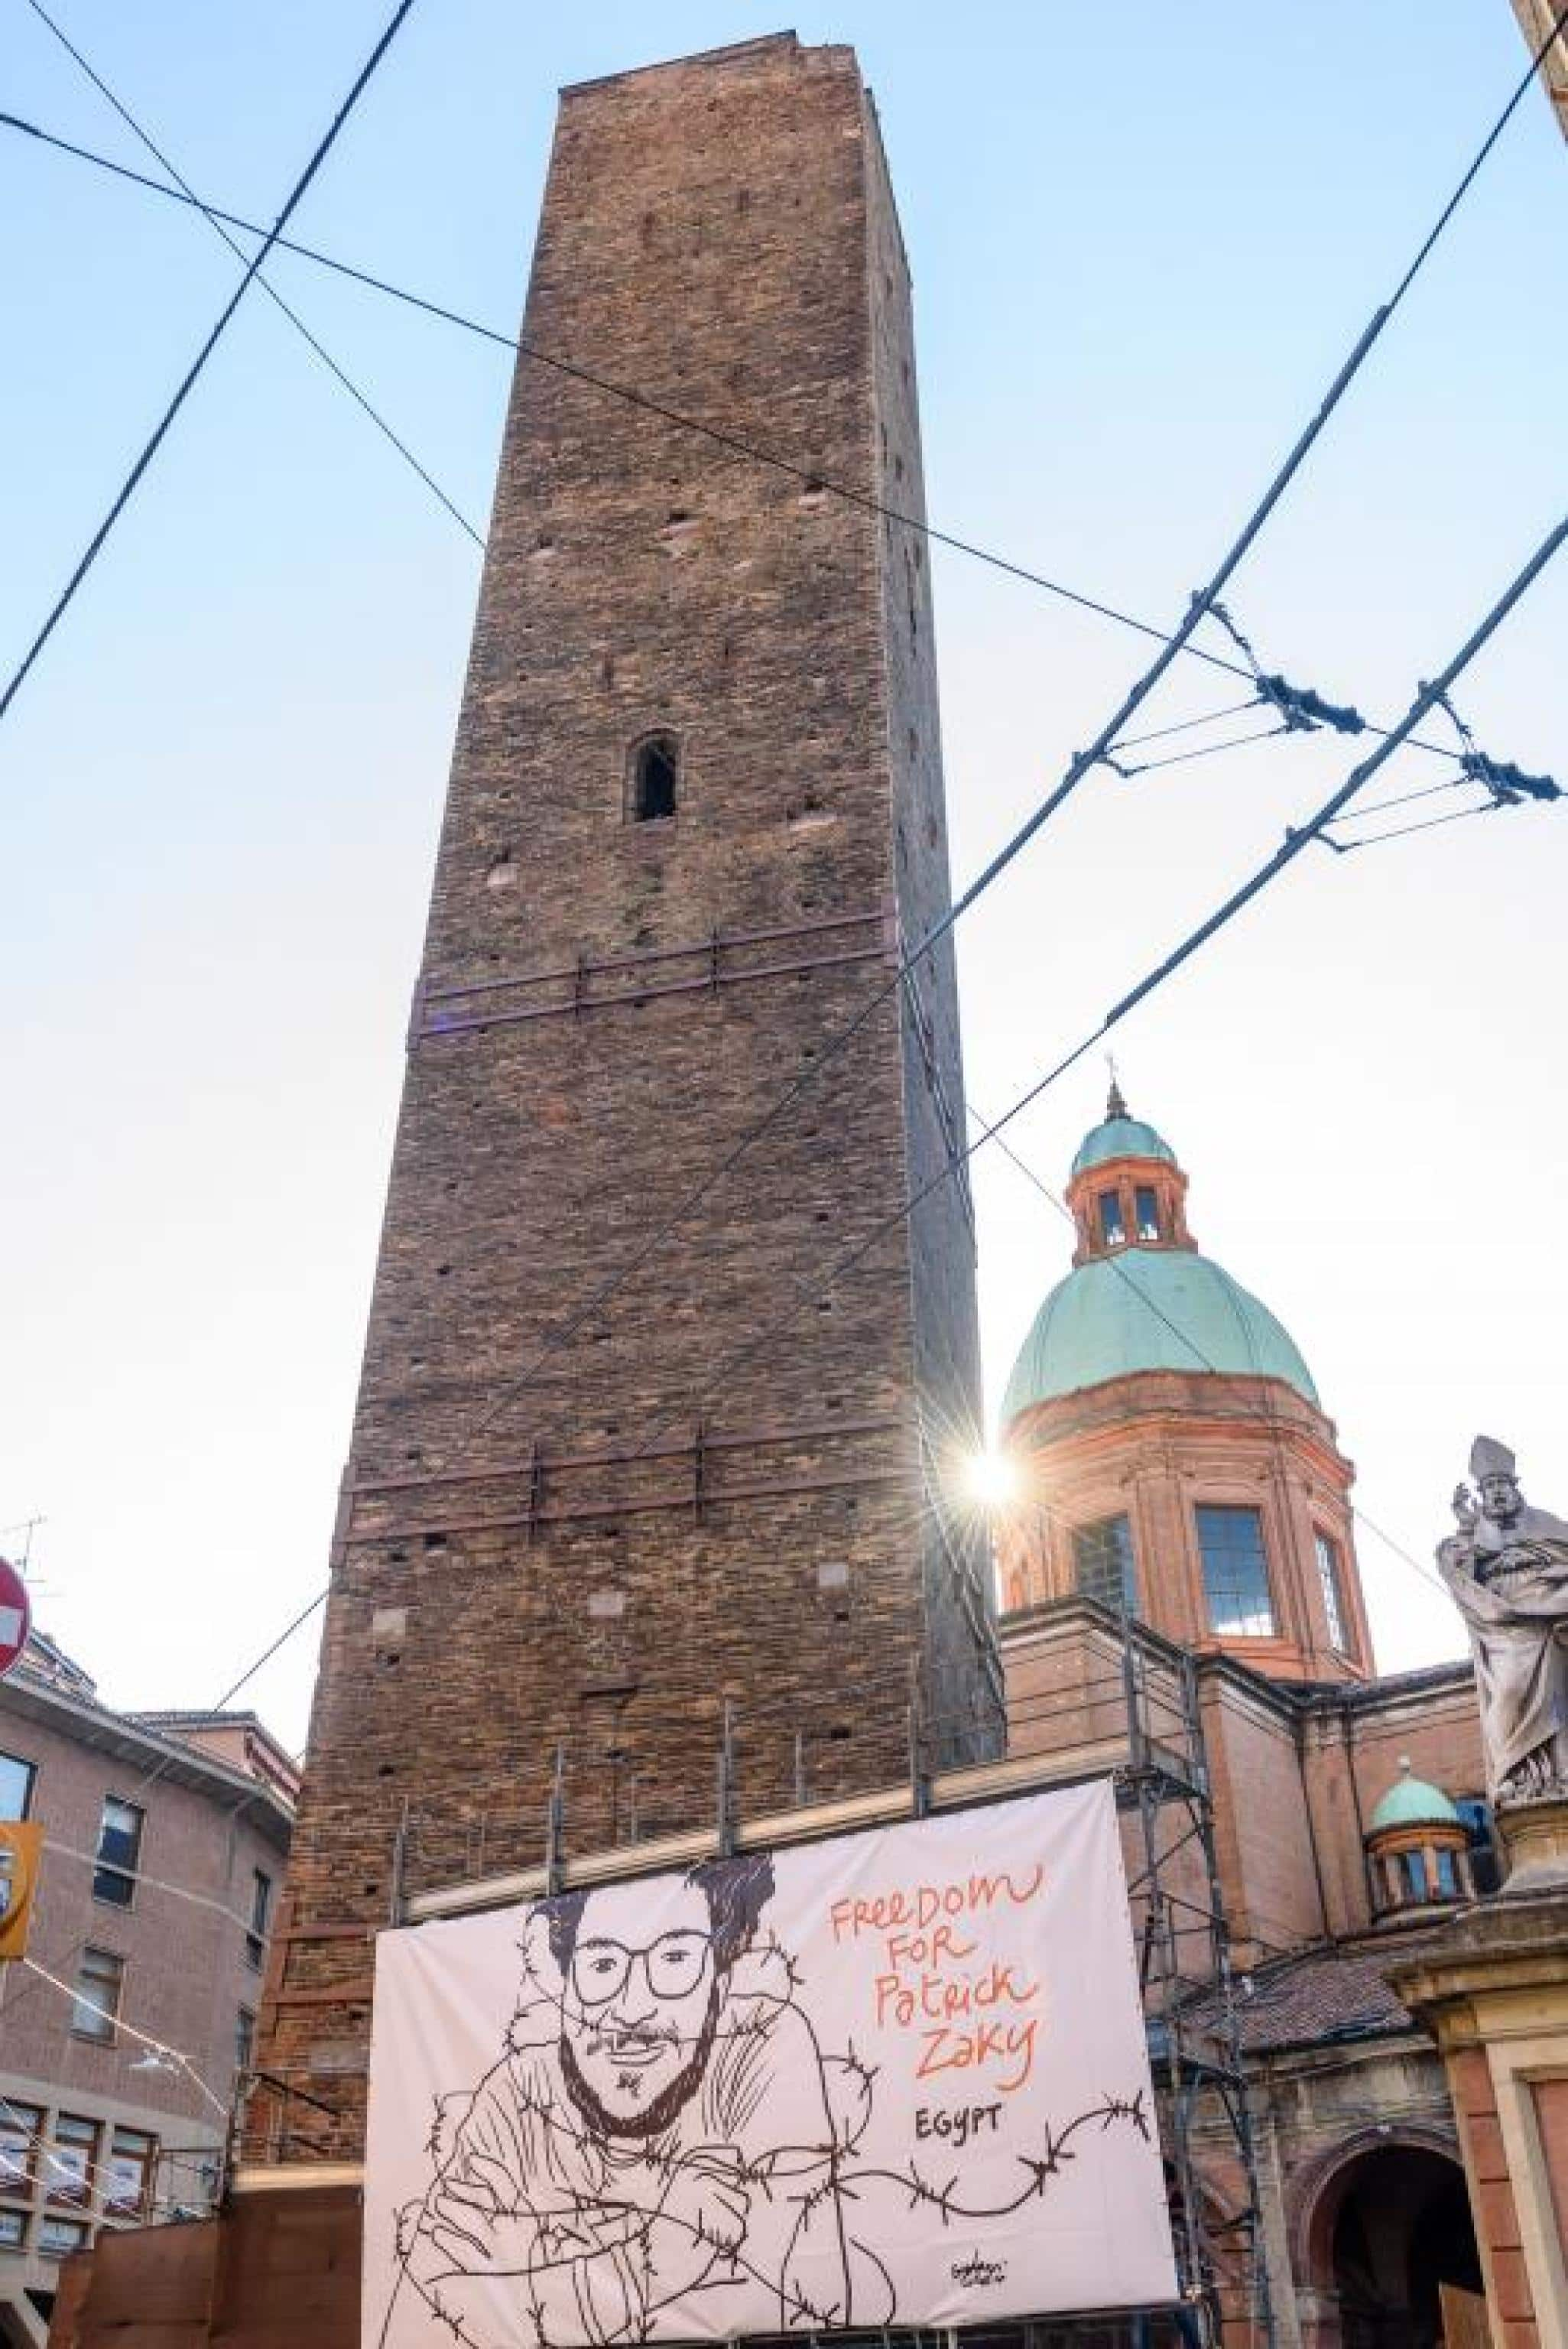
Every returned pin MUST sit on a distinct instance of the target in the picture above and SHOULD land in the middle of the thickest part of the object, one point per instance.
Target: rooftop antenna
(24, 1526)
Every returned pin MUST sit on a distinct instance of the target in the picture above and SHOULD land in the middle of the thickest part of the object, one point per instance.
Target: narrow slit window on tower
(1146, 1205)
(1112, 1230)
(656, 774)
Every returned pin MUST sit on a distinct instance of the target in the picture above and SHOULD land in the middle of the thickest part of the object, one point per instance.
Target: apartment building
(122, 2029)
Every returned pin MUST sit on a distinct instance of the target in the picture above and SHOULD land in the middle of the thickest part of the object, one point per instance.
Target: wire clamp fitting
(1300, 710)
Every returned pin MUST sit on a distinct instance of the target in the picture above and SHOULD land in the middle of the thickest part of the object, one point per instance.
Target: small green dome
(1149, 1309)
(1122, 1137)
(1410, 1802)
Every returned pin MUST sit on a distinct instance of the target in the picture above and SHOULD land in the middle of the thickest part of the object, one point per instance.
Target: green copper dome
(1122, 1137)
(1410, 1802)
(1149, 1309)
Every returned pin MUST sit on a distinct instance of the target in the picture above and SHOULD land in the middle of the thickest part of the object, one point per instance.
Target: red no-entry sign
(16, 1616)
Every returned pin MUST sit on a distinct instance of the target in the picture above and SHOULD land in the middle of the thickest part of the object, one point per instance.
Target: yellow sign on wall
(21, 1853)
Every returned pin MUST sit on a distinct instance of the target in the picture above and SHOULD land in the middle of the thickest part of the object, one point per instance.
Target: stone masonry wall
(957, 1573)
(572, 1534)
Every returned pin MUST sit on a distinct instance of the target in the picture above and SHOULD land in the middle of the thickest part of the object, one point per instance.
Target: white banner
(888, 2079)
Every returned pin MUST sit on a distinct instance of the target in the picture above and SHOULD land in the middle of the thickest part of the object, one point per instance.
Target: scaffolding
(1190, 2009)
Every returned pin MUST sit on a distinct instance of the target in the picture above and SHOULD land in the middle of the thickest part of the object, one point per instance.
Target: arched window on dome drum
(1112, 1230)
(654, 778)
(1146, 1208)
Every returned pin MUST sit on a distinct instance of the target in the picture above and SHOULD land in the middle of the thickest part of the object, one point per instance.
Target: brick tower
(695, 803)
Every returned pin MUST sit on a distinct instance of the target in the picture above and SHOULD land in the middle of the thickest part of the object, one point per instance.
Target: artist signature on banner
(975, 2273)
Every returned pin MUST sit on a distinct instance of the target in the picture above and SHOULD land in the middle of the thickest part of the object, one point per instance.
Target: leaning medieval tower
(609, 1491)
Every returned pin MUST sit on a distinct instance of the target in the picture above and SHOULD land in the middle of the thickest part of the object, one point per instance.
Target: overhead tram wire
(1182, 641)
(267, 288)
(1188, 725)
(1404, 830)
(807, 475)
(1204, 602)
(128, 488)
(1408, 798)
(1203, 751)
(1296, 839)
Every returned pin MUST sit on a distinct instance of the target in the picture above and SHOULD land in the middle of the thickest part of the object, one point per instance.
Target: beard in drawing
(638, 2021)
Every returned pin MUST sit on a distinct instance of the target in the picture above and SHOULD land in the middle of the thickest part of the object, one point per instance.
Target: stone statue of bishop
(1507, 1570)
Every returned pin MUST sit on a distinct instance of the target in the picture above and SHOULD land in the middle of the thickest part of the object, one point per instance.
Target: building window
(1112, 1230)
(119, 1852)
(1102, 1560)
(1146, 1207)
(260, 1912)
(656, 775)
(1436, 1871)
(1331, 1580)
(127, 2173)
(100, 1978)
(1236, 1572)
(20, 2128)
(245, 2039)
(58, 2237)
(70, 2158)
(13, 2231)
(1476, 1813)
(16, 1778)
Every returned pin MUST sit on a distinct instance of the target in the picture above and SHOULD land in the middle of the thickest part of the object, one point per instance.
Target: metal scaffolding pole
(1165, 1786)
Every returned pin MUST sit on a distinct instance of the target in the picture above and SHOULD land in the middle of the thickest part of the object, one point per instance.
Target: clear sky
(1143, 239)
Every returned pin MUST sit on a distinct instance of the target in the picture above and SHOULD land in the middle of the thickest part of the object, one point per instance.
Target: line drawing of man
(661, 2125)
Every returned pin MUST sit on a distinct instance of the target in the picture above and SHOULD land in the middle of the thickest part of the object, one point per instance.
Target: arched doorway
(1391, 2226)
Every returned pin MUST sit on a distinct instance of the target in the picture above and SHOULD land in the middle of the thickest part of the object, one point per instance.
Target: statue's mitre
(1491, 1458)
